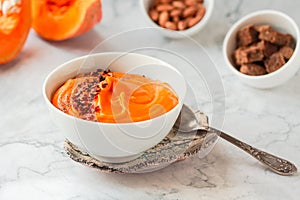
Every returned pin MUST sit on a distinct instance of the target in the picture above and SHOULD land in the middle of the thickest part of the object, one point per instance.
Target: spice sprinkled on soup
(114, 97)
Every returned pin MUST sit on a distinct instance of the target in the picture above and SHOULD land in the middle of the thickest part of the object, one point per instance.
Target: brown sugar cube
(253, 69)
(274, 62)
(267, 47)
(270, 35)
(248, 55)
(287, 52)
(247, 36)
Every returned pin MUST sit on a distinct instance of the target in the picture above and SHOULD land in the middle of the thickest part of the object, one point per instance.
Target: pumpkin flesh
(15, 23)
(64, 19)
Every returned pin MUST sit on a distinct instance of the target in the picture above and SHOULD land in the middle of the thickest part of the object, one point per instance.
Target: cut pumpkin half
(15, 23)
(63, 19)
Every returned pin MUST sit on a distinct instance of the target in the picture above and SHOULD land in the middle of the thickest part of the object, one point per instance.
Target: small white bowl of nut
(177, 18)
(263, 48)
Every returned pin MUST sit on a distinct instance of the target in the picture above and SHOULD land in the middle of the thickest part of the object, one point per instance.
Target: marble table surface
(35, 166)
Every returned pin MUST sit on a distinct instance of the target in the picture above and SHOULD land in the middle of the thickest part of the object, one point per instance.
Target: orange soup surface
(114, 97)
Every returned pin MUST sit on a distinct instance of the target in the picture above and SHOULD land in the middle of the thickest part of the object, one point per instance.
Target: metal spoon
(274, 163)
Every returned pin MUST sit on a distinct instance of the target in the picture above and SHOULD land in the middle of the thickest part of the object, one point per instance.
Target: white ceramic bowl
(279, 21)
(107, 141)
(209, 5)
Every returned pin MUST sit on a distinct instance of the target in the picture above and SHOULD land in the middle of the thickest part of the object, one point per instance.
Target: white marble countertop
(35, 166)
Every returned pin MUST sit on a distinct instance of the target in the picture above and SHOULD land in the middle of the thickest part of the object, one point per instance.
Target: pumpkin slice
(64, 19)
(15, 22)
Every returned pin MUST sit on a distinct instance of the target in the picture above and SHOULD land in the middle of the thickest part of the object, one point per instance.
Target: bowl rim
(244, 19)
(189, 31)
(163, 63)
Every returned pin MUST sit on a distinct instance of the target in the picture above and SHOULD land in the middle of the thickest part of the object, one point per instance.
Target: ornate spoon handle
(276, 164)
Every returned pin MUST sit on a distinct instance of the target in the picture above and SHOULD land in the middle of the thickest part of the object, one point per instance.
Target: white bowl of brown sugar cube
(177, 18)
(262, 48)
